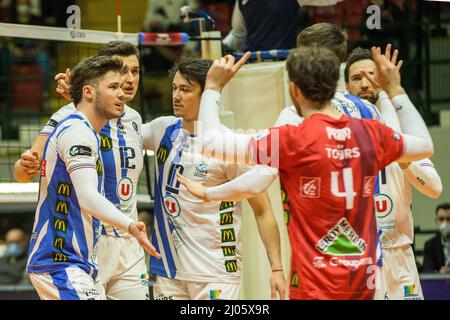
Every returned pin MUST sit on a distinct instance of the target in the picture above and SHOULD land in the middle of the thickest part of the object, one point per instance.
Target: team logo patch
(43, 168)
(226, 218)
(383, 205)
(228, 235)
(318, 263)
(310, 187)
(99, 167)
(135, 126)
(64, 189)
(125, 189)
(409, 292)
(52, 123)
(229, 251)
(342, 240)
(162, 154)
(214, 294)
(80, 151)
(294, 280)
(171, 206)
(105, 143)
(369, 186)
(231, 265)
(200, 170)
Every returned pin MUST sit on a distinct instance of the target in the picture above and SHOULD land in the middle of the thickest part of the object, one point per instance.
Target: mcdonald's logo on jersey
(59, 257)
(58, 242)
(60, 224)
(99, 167)
(231, 265)
(294, 280)
(162, 154)
(229, 251)
(226, 218)
(62, 207)
(64, 189)
(226, 204)
(105, 143)
(228, 235)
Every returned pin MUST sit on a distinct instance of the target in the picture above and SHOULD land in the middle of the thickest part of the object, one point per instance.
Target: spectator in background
(267, 24)
(13, 263)
(162, 16)
(437, 250)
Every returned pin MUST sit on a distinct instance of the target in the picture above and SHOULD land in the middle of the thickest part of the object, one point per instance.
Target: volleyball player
(61, 258)
(328, 165)
(123, 271)
(199, 240)
(399, 277)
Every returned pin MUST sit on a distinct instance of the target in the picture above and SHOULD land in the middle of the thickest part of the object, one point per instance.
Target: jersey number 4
(349, 192)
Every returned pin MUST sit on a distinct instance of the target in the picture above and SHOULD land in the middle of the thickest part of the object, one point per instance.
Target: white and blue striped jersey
(121, 148)
(198, 241)
(393, 203)
(344, 102)
(64, 234)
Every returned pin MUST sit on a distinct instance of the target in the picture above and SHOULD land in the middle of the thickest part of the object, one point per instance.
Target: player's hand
(137, 229)
(223, 70)
(387, 73)
(63, 81)
(194, 187)
(278, 283)
(29, 161)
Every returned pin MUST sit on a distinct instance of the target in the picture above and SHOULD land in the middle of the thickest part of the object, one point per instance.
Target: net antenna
(119, 22)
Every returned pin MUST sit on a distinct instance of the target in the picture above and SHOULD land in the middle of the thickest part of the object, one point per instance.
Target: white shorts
(172, 289)
(122, 269)
(398, 278)
(70, 283)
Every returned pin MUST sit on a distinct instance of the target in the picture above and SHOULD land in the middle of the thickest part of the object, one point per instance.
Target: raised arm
(417, 140)
(421, 174)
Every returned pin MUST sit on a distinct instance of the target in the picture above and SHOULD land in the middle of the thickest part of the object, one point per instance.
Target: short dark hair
(444, 206)
(356, 55)
(89, 71)
(315, 70)
(192, 68)
(325, 35)
(119, 48)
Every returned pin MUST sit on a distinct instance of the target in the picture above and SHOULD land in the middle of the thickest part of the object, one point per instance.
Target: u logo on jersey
(383, 205)
(171, 206)
(125, 189)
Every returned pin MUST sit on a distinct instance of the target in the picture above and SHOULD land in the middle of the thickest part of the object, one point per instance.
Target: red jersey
(328, 168)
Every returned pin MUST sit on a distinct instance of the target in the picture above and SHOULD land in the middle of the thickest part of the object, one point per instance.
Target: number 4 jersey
(328, 167)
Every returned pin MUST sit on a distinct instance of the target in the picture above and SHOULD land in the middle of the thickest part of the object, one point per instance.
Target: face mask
(13, 250)
(444, 227)
(23, 9)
